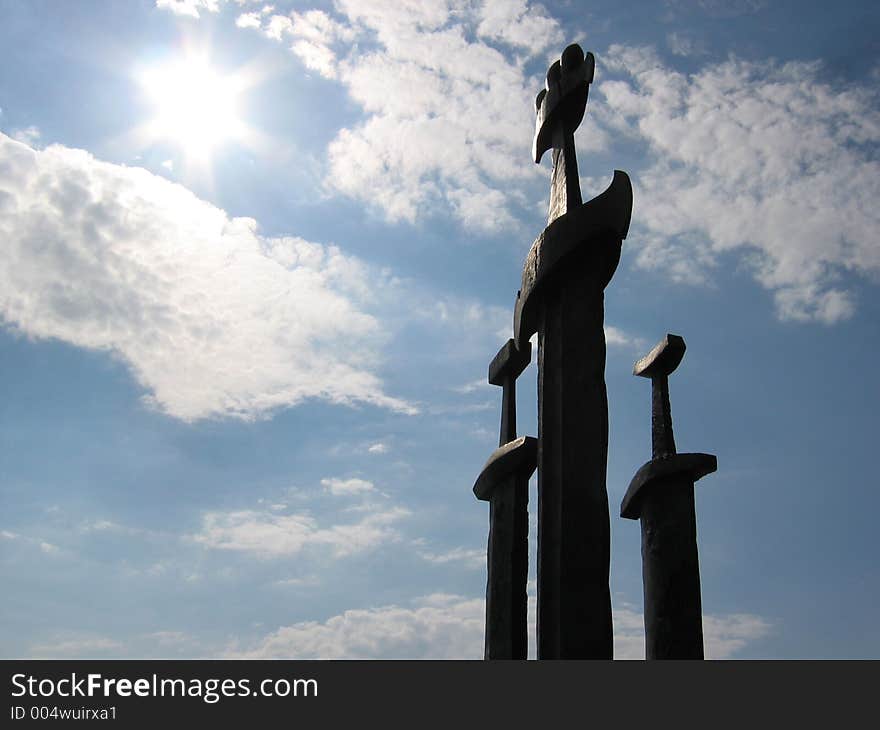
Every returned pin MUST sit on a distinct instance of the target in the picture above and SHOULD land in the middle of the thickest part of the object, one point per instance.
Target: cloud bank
(446, 99)
(766, 160)
(443, 626)
(212, 318)
(266, 534)
(763, 160)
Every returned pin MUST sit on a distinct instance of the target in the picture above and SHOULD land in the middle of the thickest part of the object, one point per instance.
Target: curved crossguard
(560, 108)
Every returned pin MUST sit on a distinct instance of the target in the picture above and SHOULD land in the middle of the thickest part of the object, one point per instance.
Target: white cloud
(378, 448)
(766, 160)
(189, 8)
(726, 635)
(684, 45)
(338, 487)
(110, 527)
(449, 117)
(212, 318)
(44, 546)
(157, 644)
(248, 20)
(471, 387)
(517, 23)
(271, 535)
(169, 638)
(723, 635)
(314, 34)
(616, 337)
(316, 57)
(29, 135)
(451, 627)
(718, 8)
(467, 557)
(435, 627)
(307, 581)
(79, 647)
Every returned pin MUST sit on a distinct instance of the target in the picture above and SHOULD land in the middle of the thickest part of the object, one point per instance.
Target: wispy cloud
(471, 387)
(447, 104)
(466, 557)
(718, 8)
(766, 160)
(29, 135)
(153, 644)
(684, 45)
(83, 647)
(211, 317)
(44, 546)
(190, 8)
(270, 535)
(616, 337)
(339, 487)
(442, 626)
(435, 627)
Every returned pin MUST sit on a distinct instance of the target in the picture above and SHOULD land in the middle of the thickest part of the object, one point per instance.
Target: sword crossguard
(517, 458)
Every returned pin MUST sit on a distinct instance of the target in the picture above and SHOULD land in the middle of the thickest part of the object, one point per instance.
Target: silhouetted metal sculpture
(562, 299)
(504, 483)
(661, 496)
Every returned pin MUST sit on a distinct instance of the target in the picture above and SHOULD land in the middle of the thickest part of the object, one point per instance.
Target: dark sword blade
(574, 598)
(563, 299)
(508, 555)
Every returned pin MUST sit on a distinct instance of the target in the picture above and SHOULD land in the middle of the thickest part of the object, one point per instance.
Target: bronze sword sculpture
(504, 483)
(562, 299)
(661, 496)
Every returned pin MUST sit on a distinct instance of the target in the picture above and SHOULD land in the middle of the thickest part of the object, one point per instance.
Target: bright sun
(196, 107)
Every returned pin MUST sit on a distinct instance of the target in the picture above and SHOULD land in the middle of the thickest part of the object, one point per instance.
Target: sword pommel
(564, 100)
(663, 359)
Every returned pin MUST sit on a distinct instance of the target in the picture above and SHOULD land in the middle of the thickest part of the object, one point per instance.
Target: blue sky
(256, 259)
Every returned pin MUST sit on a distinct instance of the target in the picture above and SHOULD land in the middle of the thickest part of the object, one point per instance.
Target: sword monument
(562, 300)
(661, 496)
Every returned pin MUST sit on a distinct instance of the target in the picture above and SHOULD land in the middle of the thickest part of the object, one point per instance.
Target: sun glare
(196, 107)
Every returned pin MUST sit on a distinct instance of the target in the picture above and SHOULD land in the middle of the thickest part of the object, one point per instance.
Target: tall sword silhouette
(504, 483)
(661, 496)
(562, 299)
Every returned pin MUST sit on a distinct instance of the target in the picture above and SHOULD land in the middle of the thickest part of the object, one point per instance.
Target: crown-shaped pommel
(564, 100)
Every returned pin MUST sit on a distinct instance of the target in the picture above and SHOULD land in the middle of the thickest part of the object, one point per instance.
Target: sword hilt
(504, 369)
(662, 437)
(560, 107)
(658, 365)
